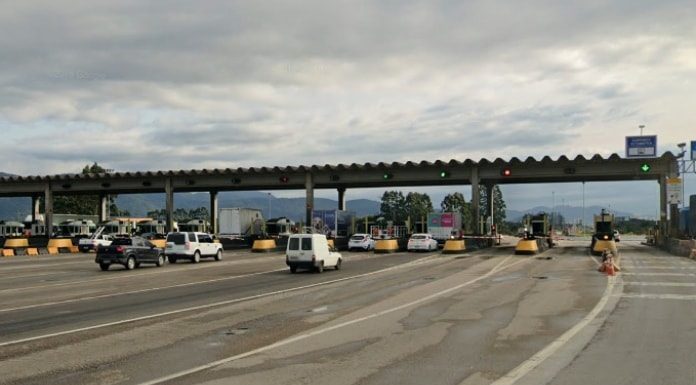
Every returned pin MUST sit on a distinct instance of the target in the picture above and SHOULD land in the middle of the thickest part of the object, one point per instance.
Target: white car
(361, 242)
(421, 242)
(192, 246)
(87, 244)
(311, 251)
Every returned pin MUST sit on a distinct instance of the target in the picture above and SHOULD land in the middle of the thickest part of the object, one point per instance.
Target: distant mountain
(140, 204)
(570, 213)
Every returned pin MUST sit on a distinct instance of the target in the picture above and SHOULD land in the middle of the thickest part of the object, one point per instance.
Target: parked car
(129, 252)
(361, 242)
(421, 242)
(192, 246)
(311, 251)
(617, 236)
(87, 244)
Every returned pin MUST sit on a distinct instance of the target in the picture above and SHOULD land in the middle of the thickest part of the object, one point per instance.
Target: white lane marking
(30, 275)
(668, 284)
(688, 297)
(530, 364)
(660, 274)
(32, 265)
(304, 336)
(119, 276)
(216, 304)
(136, 291)
(664, 267)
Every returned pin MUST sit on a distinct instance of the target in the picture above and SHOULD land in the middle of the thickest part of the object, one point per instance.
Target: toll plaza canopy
(344, 176)
(453, 172)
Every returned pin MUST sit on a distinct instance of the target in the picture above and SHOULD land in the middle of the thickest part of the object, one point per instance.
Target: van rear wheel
(320, 268)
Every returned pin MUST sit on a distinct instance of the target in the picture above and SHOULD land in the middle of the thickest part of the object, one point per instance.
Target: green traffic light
(645, 167)
(444, 174)
(387, 175)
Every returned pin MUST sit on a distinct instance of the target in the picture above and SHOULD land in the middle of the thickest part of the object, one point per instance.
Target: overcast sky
(162, 85)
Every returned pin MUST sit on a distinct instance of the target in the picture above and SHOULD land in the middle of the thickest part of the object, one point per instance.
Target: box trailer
(240, 221)
(444, 226)
(332, 223)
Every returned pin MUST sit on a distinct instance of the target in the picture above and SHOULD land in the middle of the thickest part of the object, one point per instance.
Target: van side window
(306, 243)
(294, 244)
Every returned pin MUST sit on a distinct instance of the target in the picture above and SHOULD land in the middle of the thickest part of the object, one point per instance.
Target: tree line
(415, 207)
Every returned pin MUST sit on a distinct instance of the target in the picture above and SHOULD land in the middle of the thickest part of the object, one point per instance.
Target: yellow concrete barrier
(263, 245)
(52, 250)
(74, 249)
(8, 252)
(60, 242)
(601, 245)
(527, 246)
(12, 243)
(454, 246)
(159, 243)
(386, 246)
(330, 242)
(32, 251)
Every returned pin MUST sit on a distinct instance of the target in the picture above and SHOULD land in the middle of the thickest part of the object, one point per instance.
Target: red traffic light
(506, 172)
(284, 179)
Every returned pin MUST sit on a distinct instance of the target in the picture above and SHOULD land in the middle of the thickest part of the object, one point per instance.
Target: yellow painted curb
(263, 245)
(527, 246)
(386, 246)
(454, 246)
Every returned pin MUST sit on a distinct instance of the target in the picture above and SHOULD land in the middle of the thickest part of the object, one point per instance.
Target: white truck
(444, 226)
(240, 222)
(98, 238)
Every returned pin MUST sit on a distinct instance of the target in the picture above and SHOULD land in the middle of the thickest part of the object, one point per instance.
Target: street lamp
(270, 215)
(642, 126)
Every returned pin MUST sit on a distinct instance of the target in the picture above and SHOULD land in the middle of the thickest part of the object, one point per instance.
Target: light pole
(642, 126)
(583, 208)
(270, 213)
(682, 153)
(553, 208)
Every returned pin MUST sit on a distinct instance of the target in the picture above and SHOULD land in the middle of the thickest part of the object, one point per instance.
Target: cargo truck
(241, 222)
(444, 226)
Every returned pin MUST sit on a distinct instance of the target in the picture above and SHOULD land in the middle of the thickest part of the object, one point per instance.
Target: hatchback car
(423, 242)
(361, 242)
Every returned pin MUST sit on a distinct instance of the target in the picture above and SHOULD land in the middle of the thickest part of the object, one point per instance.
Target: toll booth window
(306, 243)
(604, 227)
(294, 244)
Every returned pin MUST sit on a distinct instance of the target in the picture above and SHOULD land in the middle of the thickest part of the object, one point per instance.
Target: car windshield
(122, 241)
(177, 238)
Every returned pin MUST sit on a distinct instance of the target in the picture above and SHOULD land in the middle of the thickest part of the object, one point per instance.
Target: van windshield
(294, 244)
(177, 238)
(306, 243)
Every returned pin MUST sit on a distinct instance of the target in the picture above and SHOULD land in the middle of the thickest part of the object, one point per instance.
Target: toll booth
(603, 236)
(537, 235)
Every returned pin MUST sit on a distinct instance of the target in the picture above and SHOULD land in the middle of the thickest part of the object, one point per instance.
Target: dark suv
(129, 252)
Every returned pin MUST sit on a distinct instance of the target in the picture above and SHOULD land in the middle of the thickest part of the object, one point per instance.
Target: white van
(311, 251)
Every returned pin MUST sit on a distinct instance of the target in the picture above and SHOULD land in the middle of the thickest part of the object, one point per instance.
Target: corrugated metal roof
(327, 167)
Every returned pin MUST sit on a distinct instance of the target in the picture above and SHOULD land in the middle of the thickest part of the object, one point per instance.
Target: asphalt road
(409, 318)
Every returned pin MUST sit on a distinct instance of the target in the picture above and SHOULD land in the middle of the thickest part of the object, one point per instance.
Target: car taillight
(119, 249)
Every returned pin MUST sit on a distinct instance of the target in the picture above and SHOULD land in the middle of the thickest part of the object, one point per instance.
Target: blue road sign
(693, 150)
(641, 146)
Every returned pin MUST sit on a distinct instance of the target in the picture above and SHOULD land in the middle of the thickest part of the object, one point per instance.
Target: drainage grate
(545, 258)
(540, 277)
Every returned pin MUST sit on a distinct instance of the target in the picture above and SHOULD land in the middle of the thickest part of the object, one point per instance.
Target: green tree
(498, 206)
(85, 204)
(455, 202)
(417, 206)
(393, 207)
